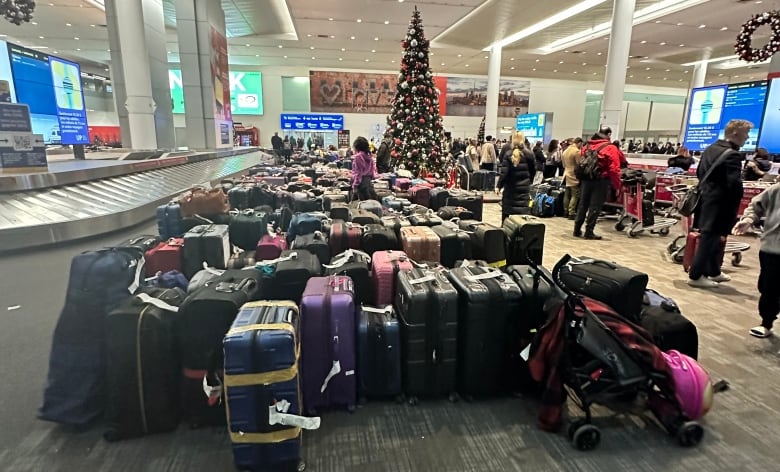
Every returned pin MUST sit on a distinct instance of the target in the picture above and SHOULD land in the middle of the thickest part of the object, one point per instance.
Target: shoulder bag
(691, 199)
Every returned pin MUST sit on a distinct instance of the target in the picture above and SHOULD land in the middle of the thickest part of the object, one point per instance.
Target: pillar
(493, 90)
(200, 27)
(617, 61)
(700, 70)
(139, 73)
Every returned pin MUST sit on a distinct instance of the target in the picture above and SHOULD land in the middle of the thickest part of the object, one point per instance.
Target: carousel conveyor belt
(53, 215)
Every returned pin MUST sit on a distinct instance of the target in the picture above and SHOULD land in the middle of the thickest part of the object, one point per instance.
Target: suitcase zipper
(139, 368)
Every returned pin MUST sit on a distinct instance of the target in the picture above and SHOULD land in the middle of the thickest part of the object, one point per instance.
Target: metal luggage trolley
(676, 248)
(633, 193)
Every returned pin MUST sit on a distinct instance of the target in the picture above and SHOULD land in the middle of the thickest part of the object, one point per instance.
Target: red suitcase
(270, 247)
(344, 236)
(385, 266)
(421, 195)
(164, 257)
(692, 244)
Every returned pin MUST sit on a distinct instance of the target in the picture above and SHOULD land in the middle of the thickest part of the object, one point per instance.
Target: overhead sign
(312, 122)
(532, 125)
(246, 92)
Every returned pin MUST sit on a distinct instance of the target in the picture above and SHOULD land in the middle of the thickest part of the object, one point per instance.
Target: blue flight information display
(769, 137)
(312, 122)
(532, 125)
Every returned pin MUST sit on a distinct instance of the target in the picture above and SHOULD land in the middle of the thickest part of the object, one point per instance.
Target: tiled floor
(742, 429)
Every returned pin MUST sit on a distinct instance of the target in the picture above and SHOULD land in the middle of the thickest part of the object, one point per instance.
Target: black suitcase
(286, 279)
(305, 202)
(538, 302)
(668, 326)
(261, 195)
(648, 217)
(524, 239)
(487, 242)
(424, 219)
(558, 194)
(450, 212)
(143, 242)
(483, 180)
(426, 304)
(439, 198)
(240, 196)
(142, 368)
(379, 238)
(316, 243)
(206, 243)
(379, 353)
(339, 211)
(396, 222)
(357, 266)
(362, 217)
(455, 244)
(247, 228)
(621, 288)
(469, 200)
(330, 198)
(488, 342)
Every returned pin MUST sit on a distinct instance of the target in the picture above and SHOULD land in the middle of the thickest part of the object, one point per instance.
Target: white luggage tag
(490, 274)
(289, 257)
(386, 310)
(422, 280)
(277, 414)
(213, 392)
(137, 277)
(145, 298)
(212, 270)
(334, 371)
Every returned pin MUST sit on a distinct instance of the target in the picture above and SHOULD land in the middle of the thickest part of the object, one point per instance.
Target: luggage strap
(145, 298)
(370, 309)
(347, 256)
(491, 274)
(212, 270)
(289, 257)
(427, 278)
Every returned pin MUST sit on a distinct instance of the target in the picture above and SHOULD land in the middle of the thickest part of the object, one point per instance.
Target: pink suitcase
(344, 236)
(421, 195)
(403, 184)
(385, 266)
(270, 247)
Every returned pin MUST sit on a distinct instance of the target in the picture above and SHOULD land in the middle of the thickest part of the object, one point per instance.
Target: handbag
(691, 199)
(199, 201)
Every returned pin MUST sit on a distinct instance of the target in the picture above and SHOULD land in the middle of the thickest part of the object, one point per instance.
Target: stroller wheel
(736, 259)
(690, 434)
(586, 437)
(679, 255)
(574, 426)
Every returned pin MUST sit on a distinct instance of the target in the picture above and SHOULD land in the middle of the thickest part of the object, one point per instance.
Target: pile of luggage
(270, 299)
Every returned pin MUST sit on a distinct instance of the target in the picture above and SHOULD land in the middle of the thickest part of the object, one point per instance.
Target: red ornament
(408, 100)
(397, 141)
(421, 120)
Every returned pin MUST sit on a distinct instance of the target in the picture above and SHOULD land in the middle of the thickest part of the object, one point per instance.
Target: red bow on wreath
(743, 46)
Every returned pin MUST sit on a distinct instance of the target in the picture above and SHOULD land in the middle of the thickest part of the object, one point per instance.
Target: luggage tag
(277, 414)
(139, 270)
(334, 371)
(145, 298)
(213, 392)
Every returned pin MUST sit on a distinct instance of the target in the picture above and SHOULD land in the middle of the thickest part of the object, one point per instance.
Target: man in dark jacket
(383, 156)
(593, 193)
(276, 143)
(721, 194)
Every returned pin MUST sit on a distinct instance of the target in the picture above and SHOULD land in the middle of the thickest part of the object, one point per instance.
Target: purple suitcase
(328, 356)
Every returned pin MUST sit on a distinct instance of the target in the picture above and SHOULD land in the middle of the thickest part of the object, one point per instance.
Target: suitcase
(558, 196)
(247, 228)
(420, 195)
(164, 257)
(328, 358)
(287, 277)
(303, 223)
(471, 201)
(379, 353)
(344, 236)
(396, 222)
(142, 243)
(488, 242)
(483, 180)
(378, 238)
(274, 180)
(427, 308)
(142, 373)
(371, 205)
(304, 202)
(395, 204)
(270, 246)
(169, 221)
(537, 300)
(403, 183)
(261, 195)
(692, 244)
(621, 288)
(280, 218)
(283, 198)
(239, 260)
(455, 244)
(200, 409)
(648, 217)
(489, 303)
(363, 217)
(332, 197)
(239, 196)
(206, 243)
(262, 369)
(339, 211)
(420, 243)
(448, 212)
(357, 266)
(424, 219)
(663, 320)
(385, 266)
(524, 240)
(98, 282)
(439, 198)
(316, 243)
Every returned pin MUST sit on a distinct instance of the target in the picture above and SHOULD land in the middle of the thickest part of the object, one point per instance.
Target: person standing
(383, 155)
(363, 171)
(276, 143)
(766, 205)
(488, 159)
(720, 194)
(593, 193)
(472, 151)
(516, 170)
(552, 160)
(757, 168)
(571, 158)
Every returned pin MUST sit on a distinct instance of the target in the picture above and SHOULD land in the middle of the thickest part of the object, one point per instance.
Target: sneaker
(593, 236)
(720, 278)
(761, 332)
(702, 282)
(577, 233)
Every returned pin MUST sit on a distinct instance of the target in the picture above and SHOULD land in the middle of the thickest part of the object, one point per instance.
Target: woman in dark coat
(516, 171)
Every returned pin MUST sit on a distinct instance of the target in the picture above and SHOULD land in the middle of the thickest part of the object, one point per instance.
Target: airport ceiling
(366, 34)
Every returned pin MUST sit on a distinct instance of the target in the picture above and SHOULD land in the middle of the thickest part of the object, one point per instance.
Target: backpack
(588, 168)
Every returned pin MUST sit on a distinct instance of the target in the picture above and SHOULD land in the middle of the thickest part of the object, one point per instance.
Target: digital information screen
(745, 102)
(532, 125)
(769, 136)
(246, 92)
(312, 122)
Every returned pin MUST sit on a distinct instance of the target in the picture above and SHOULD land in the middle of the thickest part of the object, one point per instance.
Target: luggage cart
(676, 248)
(633, 198)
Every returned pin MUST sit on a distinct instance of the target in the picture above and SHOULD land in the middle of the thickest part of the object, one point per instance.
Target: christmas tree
(414, 122)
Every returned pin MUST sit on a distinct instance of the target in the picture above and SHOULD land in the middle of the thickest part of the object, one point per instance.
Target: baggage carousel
(86, 199)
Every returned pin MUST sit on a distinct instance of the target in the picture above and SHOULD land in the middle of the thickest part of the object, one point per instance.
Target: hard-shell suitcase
(385, 266)
(270, 246)
(371, 205)
(332, 197)
(316, 243)
(262, 389)
(328, 354)
(396, 222)
(169, 221)
(363, 217)
(303, 223)
(420, 243)
(379, 353)
(449, 212)
(469, 200)
(403, 183)
(424, 219)
(395, 203)
(357, 266)
(304, 202)
(339, 211)
(670, 329)
(487, 242)
(344, 236)
(281, 218)
(378, 238)
(488, 342)
(286, 279)
(206, 243)
(239, 196)
(537, 295)
(164, 257)
(692, 244)
(246, 229)
(427, 308)
(420, 195)
(621, 288)
(142, 373)
(455, 244)
(439, 198)
(524, 239)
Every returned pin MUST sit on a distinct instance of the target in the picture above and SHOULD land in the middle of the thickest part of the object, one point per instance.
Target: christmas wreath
(17, 11)
(743, 47)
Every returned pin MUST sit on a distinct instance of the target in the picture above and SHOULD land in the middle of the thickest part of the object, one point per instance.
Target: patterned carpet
(498, 435)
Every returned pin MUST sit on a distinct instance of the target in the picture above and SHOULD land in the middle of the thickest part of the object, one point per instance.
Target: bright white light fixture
(708, 61)
(98, 3)
(736, 64)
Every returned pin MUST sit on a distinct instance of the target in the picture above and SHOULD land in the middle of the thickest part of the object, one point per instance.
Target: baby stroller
(592, 355)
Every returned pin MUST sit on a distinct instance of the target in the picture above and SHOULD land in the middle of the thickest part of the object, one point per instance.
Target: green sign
(246, 92)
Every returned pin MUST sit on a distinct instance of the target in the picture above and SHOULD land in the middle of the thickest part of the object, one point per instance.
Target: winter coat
(609, 159)
(721, 193)
(383, 158)
(516, 181)
(362, 165)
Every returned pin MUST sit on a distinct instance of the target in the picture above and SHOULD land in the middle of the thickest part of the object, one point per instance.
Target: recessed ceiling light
(537, 60)
(55, 52)
(330, 19)
(33, 22)
(248, 45)
(561, 62)
(643, 42)
(460, 55)
(78, 49)
(511, 58)
(534, 69)
(341, 59)
(649, 77)
(682, 45)
(512, 68)
(679, 80)
(736, 76)
(68, 24)
(376, 38)
(628, 67)
(595, 73)
(667, 70)
(392, 62)
(311, 47)
(598, 54)
(93, 26)
(285, 57)
(724, 28)
(575, 71)
(709, 82)
(486, 57)
(631, 76)
(332, 36)
(584, 63)
(702, 26)
(387, 22)
(685, 72)
(647, 68)
(720, 75)
(351, 37)
(257, 55)
(343, 49)
(366, 60)
(400, 1)
(76, 38)
(41, 37)
(359, 20)
(680, 24)
(280, 46)
(662, 43)
(373, 50)
(467, 65)
(313, 58)
(431, 54)
(442, 63)
(308, 36)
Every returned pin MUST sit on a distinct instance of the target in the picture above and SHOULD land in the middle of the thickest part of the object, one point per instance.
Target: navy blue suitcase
(379, 353)
(261, 370)
(169, 221)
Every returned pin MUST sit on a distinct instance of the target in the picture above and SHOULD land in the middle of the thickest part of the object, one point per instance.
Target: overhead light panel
(737, 64)
(707, 61)
(98, 3)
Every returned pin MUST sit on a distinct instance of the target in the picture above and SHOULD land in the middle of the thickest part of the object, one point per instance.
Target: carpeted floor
(492, 436)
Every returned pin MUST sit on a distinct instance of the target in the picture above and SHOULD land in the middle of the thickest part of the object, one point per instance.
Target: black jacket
(721, 193)
(276, 142)
(516, 181)
(383, 158)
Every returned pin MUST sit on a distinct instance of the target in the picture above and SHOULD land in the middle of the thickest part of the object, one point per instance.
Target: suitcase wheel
(690, 434)
(351, 408)
(736, 259)
(454, 398)
(413, 401)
